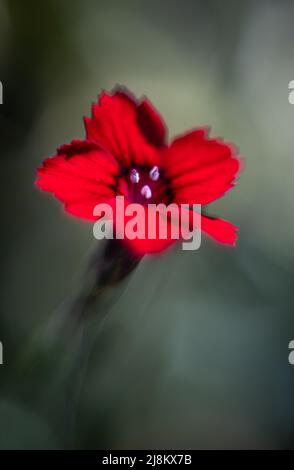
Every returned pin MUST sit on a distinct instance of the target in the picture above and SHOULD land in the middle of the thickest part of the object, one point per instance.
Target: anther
(154, 173)
(134, 176)
(146, 192)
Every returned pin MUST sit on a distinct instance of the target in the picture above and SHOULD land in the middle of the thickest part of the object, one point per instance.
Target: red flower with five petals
(126, 153)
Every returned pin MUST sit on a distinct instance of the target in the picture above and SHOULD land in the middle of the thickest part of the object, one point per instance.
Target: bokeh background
(194, 355)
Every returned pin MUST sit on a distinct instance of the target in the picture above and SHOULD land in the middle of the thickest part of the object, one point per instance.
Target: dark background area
(195, 353)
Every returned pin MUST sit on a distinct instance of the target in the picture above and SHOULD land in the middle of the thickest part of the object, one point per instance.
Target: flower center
(146, 192)
(154, 173)
(134, 176)
(145, 185)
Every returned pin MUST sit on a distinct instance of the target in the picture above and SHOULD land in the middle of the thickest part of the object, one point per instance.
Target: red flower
(126, 153)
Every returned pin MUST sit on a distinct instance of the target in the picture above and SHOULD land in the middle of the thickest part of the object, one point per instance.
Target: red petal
(200, 169)
(80, 175)
(220, 230)
(125, 131)
(84, 209)
(151, 124)
(141, 246)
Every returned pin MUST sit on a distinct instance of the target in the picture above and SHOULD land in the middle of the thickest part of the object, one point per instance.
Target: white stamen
(134, 176)
(154, 173)
(146, 192)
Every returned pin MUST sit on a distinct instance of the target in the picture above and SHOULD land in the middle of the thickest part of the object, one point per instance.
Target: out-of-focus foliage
(195, 353)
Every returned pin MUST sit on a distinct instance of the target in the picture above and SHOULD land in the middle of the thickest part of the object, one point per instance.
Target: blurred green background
(195, 353)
